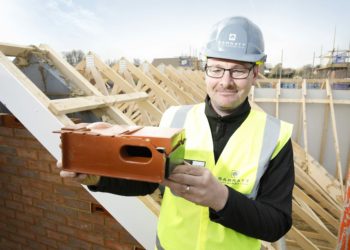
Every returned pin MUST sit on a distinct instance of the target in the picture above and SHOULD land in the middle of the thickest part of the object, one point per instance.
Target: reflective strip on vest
(158, 245)
(180, 116)
(271, 134)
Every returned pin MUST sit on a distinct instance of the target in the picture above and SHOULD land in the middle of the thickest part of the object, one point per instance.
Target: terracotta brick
(28, 173)
(6, 131)
(4, 179)
(15, 161)
(33, 211)
(45, 240)
(50, 178)
(22, 133)
(34, 144)
(37, 230)
(26, 234)
(64, 191)
(67, 211)
(9, 169)
(22, 199)
(112, 244)
(106, 231)
(14, 205)
(3, 234)
(86, 196)
(5, 226)
(55, 217)
(7, 244)
(17, 223)
(25, 217)
(125, 237)
(26, 153)
(36, 245)
(13, 189)
(94, 238)
(7, 213)
(46, 156)
(54, 169)
(98, 247)
(57, 236)
(77, 204)
(19, 180)
(7, 150)
(66, 230)
(46, 223)
(51, 197)
(112, 223)
(66, 247)
(44, 204)
(81, 225)
(2, 159)
(79, 243)
(11, 141)
(18, 239)
(47, 187)
(93, 218)
(71, 183)
(10, 121)
(6, 195)
(31, 192)
(43, 166)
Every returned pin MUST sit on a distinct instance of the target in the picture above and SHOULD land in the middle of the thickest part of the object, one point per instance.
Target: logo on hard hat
(232, 37)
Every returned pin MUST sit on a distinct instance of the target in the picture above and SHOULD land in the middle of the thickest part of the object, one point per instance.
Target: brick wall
(40, 210)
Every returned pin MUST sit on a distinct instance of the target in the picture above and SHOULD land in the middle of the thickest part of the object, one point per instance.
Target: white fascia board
(30, 111)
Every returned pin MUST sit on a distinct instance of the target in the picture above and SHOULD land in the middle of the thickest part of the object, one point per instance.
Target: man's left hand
(198, 185)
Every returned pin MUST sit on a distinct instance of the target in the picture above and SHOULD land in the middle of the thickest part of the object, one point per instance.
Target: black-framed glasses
(235, 73)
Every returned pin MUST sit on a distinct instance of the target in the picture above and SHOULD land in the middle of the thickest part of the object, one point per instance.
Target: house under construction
(41, 93)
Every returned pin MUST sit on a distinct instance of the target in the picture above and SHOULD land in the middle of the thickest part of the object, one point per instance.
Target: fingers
(178, 188)
(189, 170)
(99, 125)
(188, 175)
(59, 164)
(66, 174)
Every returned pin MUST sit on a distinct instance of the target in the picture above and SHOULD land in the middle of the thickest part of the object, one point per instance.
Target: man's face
(227, 93)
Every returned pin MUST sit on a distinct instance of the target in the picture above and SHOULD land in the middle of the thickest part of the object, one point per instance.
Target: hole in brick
(135, 153)
(97, 208)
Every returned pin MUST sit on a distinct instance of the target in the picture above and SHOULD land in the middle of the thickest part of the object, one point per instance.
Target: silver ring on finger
(187, 188)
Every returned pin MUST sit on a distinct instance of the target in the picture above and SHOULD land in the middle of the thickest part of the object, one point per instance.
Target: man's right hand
(85, 179)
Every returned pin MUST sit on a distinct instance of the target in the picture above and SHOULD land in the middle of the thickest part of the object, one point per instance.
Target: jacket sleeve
(268, 217)
(124, 187)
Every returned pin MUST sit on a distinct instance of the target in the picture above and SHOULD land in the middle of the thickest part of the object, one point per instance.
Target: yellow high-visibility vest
(184, 225)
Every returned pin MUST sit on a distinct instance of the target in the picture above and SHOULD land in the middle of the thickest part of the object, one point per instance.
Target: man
(236, 184)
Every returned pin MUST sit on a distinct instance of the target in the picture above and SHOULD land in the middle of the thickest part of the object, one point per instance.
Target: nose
(227, 80)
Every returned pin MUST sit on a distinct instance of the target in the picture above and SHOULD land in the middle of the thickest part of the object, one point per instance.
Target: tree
(275, 71)
(306, 71)
(74, 57)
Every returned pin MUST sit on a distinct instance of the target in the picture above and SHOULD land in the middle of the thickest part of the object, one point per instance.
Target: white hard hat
(236, 38)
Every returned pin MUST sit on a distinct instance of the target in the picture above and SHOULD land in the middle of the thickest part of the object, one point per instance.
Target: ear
(255, 71)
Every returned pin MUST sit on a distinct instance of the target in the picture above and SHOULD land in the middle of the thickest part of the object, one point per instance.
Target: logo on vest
(234, 179)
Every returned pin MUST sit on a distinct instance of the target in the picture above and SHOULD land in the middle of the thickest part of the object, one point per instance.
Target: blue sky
(147, 29)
